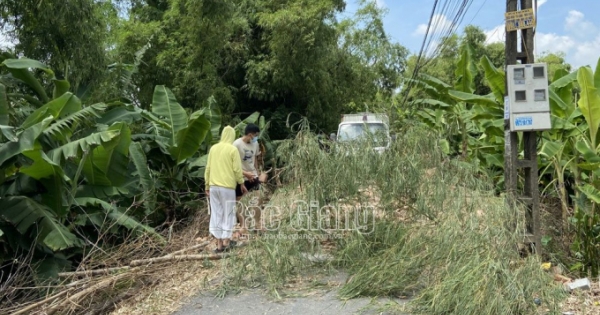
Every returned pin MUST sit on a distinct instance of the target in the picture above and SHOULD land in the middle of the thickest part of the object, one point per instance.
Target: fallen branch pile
(71, 296)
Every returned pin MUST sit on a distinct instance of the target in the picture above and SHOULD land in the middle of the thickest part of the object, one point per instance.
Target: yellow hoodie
(224, 166)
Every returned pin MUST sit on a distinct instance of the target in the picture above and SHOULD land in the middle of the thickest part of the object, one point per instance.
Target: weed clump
(435, 229)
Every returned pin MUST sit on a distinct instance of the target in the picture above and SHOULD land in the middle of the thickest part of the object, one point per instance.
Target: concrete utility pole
(530, 195)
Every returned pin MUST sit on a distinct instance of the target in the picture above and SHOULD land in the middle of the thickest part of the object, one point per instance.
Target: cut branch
(79, 296)
(178, 258)
(74, 301)
(181, 251)
(93, 272)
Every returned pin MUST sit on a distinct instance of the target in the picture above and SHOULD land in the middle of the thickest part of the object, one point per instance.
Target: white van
(361, 125)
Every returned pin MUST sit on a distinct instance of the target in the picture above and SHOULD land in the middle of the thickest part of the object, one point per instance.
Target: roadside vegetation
(429, 228)
(105, 126)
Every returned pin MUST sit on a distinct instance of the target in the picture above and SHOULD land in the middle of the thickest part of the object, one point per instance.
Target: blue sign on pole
(524, 121)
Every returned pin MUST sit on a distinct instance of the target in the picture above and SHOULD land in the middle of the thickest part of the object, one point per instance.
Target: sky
(566, 26)
(561, 25)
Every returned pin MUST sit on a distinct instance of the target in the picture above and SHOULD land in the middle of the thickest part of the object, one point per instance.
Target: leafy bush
(75, 174)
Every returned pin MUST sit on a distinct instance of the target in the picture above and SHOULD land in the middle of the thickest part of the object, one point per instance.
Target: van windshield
(376, 132)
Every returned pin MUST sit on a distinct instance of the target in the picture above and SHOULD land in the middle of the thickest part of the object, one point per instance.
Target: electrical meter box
(528, 99)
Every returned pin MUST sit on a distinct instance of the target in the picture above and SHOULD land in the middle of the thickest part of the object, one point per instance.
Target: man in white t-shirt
(249, 149)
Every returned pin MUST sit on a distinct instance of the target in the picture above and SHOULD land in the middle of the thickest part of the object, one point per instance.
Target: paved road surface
(254, 302)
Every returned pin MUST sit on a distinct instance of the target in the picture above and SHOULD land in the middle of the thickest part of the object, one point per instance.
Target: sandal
(218, 251)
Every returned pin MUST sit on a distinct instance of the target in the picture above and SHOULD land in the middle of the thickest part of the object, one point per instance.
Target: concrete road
(255, 302)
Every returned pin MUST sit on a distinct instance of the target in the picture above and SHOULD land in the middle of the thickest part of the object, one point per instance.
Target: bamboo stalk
(179, 258)
(102, 284)
(78, 296)
(203, 244)
(93, 272)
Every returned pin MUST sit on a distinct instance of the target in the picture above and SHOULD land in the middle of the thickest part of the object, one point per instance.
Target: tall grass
(436, 230)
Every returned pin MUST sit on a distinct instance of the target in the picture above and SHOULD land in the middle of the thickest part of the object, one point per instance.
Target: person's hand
(244, 189)
(207, 193)
(262, 178)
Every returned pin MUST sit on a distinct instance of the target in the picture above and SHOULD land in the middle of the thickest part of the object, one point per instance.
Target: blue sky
(567, 26)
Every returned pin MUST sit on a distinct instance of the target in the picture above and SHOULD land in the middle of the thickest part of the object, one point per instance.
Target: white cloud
(553, 42)
(539, 4)
(578, 26)
(497, 34)
(587, 53)
(572, 19)
(438, 24)
(580, 42)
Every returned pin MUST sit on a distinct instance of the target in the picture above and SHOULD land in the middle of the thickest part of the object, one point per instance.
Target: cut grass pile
(466, 261)
(455, 249)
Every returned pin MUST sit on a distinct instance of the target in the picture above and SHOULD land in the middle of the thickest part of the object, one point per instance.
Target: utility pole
(512, 164)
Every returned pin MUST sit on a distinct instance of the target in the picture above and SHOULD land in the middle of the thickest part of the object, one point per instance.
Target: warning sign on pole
(518, 20)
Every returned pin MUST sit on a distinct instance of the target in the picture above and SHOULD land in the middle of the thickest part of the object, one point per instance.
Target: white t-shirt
(248, 153)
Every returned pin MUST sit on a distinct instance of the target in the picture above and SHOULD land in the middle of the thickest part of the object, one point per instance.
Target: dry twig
(93, 272)
(134, 265)
(79, 296)
(30, 307)
(178, 258)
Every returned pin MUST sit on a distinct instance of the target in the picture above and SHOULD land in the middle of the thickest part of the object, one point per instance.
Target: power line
(458, 10)
(457, 20)
(478, 10)
(416, 69)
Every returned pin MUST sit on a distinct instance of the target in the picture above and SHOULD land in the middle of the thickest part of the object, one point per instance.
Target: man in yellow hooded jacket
(223, 173)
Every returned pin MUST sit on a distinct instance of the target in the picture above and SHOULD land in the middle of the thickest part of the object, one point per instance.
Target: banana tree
(42, 172)
(456, 116)
(172, 139)
(456, 111)
(586, 218)
(558, 150)
(487, 115)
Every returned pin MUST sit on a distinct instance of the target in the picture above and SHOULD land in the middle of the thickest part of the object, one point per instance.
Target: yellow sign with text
(518, 20)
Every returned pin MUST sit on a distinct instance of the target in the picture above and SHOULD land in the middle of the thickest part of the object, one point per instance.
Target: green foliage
(569, 156)
(26, 213)
(465, 70)
(586, 218)
(444, 65)
(71, 172)
(555, 62)
(397, 229)
(69, 166)
(68, 36)
(239, 53)
(589, 103)
(468, 124)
